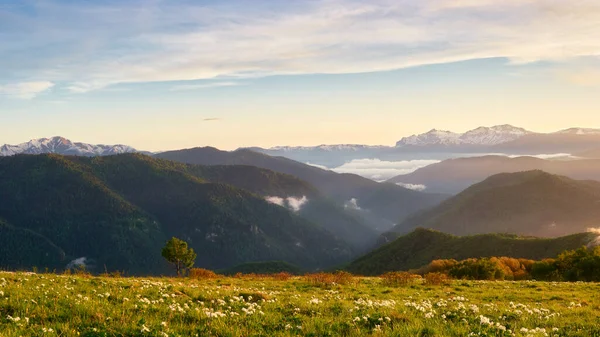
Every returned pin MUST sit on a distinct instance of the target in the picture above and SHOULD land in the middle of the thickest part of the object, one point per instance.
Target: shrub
(477, 269)
(582, 264)
(436, 279)
(282, 276)
(438, 266)
(328, 279)
(399, 278)
(319, 278)
(200, 273)
(343, 277)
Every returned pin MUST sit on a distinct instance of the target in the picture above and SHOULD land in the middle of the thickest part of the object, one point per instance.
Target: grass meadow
(83, 305)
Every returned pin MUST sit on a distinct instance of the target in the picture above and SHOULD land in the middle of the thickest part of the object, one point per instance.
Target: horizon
(168, 75)
(288, 146)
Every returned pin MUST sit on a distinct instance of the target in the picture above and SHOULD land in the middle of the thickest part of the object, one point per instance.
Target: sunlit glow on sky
(161, 75)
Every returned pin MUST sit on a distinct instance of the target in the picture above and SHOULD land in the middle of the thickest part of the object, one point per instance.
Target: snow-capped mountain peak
(480, 136)
(493, 135)
(432, 137)
(61, 145)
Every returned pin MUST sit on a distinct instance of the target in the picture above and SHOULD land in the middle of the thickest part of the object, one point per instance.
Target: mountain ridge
(533, 203)
(454, 175)
(479, 136)
(61, 145)
(382, 203)
(482, 135)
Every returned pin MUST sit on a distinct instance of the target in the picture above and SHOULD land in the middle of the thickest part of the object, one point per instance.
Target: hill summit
(527, 203)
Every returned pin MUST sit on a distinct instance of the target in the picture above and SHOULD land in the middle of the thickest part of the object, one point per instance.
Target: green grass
(60, 305)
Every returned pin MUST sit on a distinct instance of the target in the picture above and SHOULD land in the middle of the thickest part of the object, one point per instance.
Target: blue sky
(161, 75)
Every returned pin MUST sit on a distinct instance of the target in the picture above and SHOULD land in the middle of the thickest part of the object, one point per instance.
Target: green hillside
(22, 248)
(422, 246)
(532, 203)
(319, 209)
(120, 210)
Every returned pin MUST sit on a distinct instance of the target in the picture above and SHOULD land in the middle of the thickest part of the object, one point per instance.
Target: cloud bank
(91, 45)
(381, 170)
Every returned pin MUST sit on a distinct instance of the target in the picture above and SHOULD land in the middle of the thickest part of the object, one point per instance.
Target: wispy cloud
(415, 187)
(25, 90)
(205, 86)
(212, 119)
(292, 203)
(93, 45)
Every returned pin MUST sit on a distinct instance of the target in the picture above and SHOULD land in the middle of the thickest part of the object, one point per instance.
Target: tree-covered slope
(22, 248)
(422, 246)
(60, 199)
(316, 207)
(382, 204)
(528, 203)
(119, 211)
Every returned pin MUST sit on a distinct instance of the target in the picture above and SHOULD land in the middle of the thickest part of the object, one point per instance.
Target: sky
(160, 75)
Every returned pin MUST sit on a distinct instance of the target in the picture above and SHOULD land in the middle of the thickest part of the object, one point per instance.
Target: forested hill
(342, 222)
(420, 247)
(118, 211)
(527, 203)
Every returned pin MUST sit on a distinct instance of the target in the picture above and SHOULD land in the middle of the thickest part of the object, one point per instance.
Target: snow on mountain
(433, 137)
(64, 146)
(580, 131)
(480, 136)
(493, 135)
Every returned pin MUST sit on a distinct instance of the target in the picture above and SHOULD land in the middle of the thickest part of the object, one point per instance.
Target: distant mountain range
(434, 144)
(441, 144)
(532, 203)
(454, 175)
(480, 136)
(60, 145)
(420, 247)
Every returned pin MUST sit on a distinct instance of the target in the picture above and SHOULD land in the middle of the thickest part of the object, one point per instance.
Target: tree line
(582, 264)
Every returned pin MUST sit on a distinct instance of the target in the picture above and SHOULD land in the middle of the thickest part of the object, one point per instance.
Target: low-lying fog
(382, 170)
